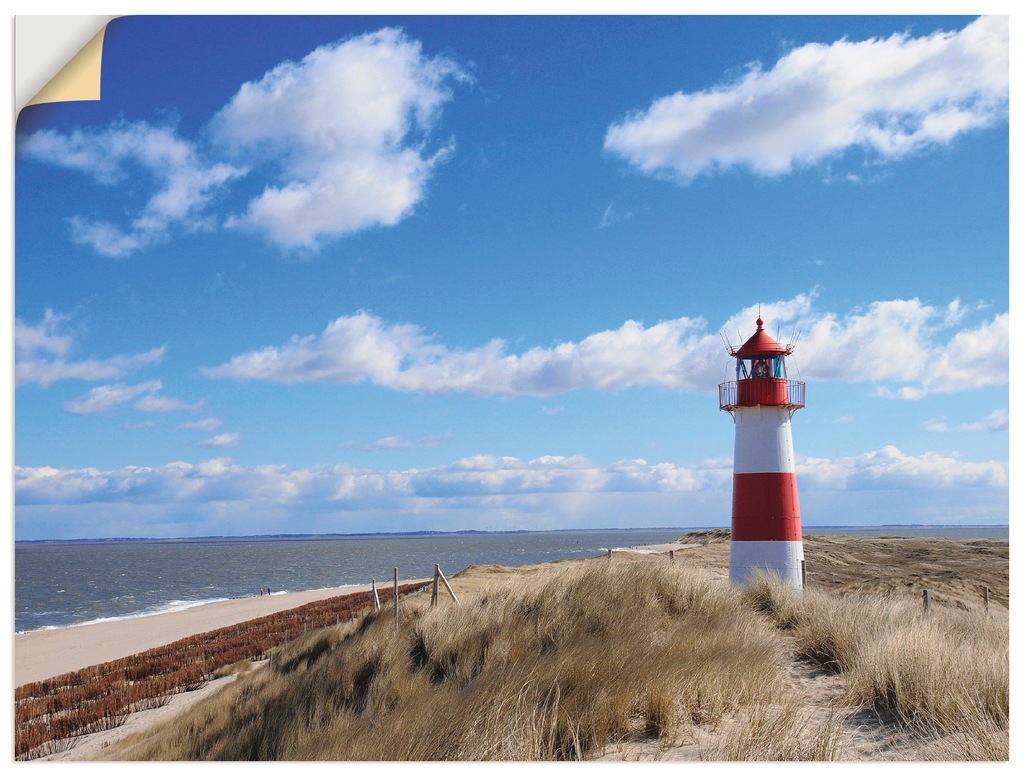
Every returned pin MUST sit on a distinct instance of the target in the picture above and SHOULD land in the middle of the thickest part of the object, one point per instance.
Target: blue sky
(345, 274)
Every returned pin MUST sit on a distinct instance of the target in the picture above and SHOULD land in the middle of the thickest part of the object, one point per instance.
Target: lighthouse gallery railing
(748, 393)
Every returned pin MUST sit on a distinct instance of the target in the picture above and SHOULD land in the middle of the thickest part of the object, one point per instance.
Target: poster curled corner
(58, 58)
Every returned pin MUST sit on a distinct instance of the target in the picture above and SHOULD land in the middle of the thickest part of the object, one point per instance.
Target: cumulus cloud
(124, 153)
(42, 355)
(363, 347)
(905, 346)
(886, 97)
(337, 485)
(347, 129)
(345, 133)
(891, 469)
(343, 486)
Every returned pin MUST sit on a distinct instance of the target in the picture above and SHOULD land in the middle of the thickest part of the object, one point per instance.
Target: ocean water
(59, 584)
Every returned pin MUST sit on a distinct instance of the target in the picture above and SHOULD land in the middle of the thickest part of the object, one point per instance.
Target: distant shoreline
(807, 529)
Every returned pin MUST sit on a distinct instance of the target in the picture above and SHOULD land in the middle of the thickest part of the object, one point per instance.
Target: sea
(61, 584)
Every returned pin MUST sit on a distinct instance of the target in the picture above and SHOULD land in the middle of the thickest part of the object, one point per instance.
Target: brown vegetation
(48, 715)
(636, 657)
(552, 668)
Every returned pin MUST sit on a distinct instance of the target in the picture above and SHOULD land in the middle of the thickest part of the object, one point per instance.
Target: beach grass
(578, 660)
(554, 667)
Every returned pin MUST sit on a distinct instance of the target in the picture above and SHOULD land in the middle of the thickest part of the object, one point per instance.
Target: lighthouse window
(764, 367)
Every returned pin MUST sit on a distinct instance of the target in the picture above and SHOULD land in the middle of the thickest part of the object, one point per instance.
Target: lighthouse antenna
(728, 344)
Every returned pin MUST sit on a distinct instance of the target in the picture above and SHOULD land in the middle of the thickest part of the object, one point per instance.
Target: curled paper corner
(59, 58)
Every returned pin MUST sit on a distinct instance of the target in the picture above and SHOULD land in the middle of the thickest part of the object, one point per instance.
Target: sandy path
(46, 653)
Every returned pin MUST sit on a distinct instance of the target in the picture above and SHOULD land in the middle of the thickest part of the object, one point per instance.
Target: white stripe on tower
(766, 532)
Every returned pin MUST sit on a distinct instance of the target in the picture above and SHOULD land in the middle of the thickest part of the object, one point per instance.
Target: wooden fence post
(609, 554)
(376, 598)
(433, 595)
(396, 597)
(988, 596)
(671, 554)
(445, 580)
(927, 600)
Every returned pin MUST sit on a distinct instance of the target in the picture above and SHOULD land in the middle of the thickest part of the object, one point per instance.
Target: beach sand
(46, 653)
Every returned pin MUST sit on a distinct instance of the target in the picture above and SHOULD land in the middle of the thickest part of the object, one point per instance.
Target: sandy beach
(46, 653)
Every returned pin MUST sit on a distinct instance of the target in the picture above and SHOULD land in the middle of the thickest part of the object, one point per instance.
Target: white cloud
(888, 97)
(104, 398)
(124, 153)
(998, 420)
(45, 338)
(221, 440)
(342, 486)
(935, 426)
(889, 468)
(898, 343)
(362, 347)
(347, 128)
(41, 355)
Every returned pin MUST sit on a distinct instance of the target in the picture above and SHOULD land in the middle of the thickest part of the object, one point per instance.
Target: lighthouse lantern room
(766, 533)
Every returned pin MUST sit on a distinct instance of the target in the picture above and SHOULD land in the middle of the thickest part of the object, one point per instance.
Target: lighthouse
(765, 510)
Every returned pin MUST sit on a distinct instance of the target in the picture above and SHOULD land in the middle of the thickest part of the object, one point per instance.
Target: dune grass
(554, 668)
(943, 673)
(564, 664)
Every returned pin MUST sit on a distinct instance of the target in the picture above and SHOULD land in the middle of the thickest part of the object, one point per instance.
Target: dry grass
(568, 660)
(774, 733)
(557, 667)
(943, 673)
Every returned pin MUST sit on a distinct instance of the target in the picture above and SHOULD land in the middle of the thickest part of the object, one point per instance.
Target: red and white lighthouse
(765, 510)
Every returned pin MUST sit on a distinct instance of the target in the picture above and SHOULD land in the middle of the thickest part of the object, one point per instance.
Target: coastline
(43, 654)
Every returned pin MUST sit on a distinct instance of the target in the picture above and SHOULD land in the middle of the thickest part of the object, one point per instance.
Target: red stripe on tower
(765, 508)
(766, 536)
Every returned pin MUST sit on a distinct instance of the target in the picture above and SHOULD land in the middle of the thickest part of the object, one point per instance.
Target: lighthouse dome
(761, 343)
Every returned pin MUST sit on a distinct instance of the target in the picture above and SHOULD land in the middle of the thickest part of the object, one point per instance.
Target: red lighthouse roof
(761, 344)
